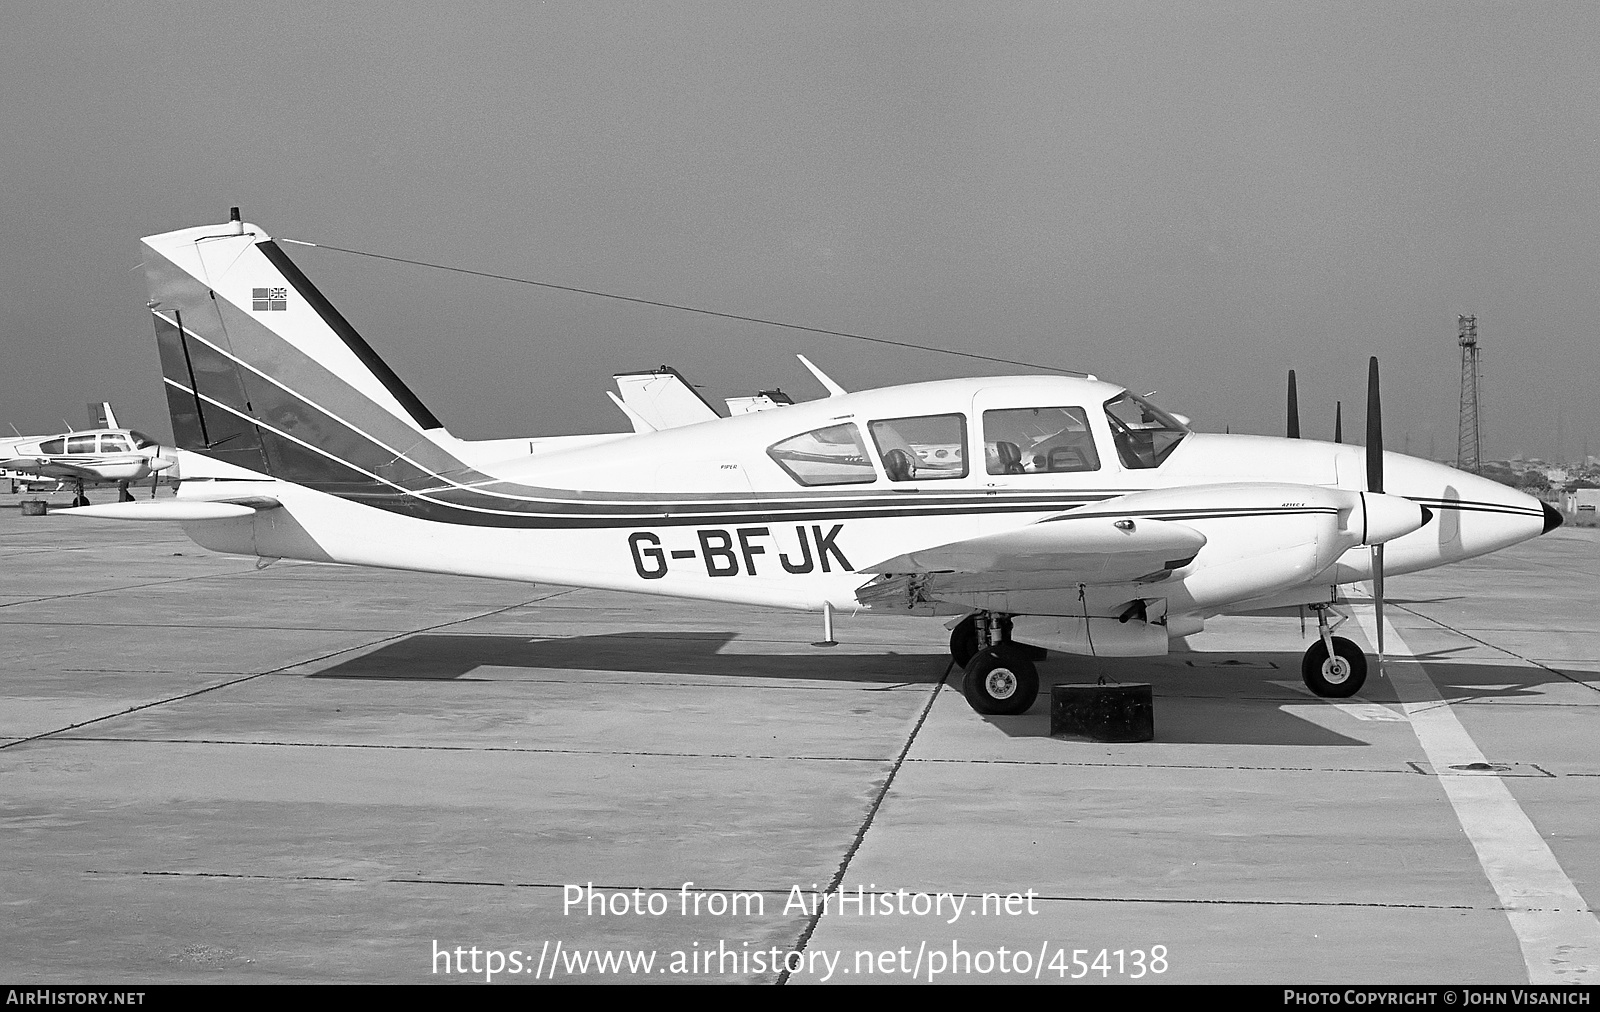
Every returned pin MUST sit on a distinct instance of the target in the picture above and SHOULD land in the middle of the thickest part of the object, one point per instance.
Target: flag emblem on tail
(269, 298)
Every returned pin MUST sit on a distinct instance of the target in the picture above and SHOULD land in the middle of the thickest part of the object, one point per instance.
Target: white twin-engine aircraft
(1037, 511)
(105, 455)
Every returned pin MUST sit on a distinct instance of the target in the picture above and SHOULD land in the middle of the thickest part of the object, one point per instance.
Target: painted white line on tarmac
(1559, 934)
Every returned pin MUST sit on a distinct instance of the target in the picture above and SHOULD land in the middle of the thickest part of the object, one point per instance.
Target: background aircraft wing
(48, 467)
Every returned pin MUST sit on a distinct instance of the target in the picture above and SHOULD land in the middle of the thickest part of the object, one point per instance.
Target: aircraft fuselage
(706, 510)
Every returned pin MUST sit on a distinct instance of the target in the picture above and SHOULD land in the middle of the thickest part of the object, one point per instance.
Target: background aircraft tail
(262, 372)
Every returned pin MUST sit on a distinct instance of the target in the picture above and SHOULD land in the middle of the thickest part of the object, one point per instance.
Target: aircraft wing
(47, 467)
(1071, 550)
(1285, 536)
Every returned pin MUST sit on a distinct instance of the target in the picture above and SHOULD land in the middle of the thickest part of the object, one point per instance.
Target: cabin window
(1050, 440)
(922, 448)
(834, 455)
(80, 444)
(1144, 434)
(51, 447)
(114, 444)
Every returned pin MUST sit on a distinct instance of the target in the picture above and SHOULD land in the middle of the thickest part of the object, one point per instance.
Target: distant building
(1584, 502)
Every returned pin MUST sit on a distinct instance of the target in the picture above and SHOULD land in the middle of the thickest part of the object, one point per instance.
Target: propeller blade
(1338, 421)
(1374, 430)
(1375, 484)
(1294, 408)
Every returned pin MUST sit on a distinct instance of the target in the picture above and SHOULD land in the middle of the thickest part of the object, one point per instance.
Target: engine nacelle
(1099, 637)
(1386, 517)
(1261, 537)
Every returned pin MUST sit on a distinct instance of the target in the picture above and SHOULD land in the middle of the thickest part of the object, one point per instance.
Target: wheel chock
(1119, 712)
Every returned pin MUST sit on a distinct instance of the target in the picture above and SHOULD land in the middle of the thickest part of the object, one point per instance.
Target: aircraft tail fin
(102, 417)
(262, 372)
(663, 399)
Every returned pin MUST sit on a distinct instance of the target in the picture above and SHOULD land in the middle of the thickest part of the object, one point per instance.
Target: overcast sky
(1185, 198)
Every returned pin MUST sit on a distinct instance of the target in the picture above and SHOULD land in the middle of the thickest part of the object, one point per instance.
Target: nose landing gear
(1333, 667)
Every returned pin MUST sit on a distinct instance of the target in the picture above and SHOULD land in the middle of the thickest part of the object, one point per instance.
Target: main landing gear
(1000, 677)
(78, 498)
(1333, 666)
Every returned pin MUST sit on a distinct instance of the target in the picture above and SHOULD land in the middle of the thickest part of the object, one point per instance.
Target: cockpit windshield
(834, 455)
(141, 440)
(1143, 433)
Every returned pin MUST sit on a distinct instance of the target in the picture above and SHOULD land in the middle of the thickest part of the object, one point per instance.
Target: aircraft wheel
(964, 641)
(80, 500)
(1000, 681)
(1338, 676)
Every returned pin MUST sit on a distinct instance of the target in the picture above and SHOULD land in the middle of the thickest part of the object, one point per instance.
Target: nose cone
(1471, 514)
(1552, 519)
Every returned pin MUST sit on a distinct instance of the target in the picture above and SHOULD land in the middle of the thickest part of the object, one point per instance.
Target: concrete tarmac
(308, 773)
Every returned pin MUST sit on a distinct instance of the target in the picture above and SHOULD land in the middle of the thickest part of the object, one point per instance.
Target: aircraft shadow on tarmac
(439, 657)
(1256, 698)
(1200, 698)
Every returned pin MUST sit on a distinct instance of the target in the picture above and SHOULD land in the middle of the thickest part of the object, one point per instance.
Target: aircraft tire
(1338, 677)
(80, 500)
(1001, 681)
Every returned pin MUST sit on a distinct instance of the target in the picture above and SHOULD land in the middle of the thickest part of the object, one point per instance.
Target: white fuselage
(91, 456)
(704, 511)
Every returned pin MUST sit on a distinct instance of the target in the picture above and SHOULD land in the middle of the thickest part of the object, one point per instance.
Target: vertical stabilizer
(262, 372)
(663, 399)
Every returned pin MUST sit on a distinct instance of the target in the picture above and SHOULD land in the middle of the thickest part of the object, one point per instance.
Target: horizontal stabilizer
(173, 509)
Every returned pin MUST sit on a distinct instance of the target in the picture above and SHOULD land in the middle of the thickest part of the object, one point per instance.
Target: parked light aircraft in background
(661, 398)
(104, 455)
(27, 481)
(1058, 512)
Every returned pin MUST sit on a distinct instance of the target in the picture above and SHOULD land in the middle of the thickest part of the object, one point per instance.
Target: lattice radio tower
(1469, 448)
